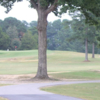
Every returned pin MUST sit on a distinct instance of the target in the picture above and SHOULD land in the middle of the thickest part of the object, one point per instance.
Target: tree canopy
(89, 8)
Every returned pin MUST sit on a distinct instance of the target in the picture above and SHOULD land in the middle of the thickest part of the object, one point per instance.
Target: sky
(22, 11)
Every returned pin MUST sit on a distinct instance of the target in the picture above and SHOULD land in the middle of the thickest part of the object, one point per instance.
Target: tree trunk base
(38, 79)
(41, 78)
(86, 60)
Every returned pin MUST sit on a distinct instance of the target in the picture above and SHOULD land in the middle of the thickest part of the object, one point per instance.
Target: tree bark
(86, 50)
(43, 12)
(93, 56)
(42, 45)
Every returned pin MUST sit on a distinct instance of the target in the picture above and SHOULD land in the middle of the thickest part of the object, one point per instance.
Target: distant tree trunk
(86, 50)
(93, 56)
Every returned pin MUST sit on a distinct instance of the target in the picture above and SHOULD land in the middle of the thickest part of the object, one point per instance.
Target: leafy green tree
(10, 22)
(25, 23)
(29, 42)
(85, 33)
(1, 24)
(81, 32)
(98, 37)
(93, 39)
(15, 44)
(4, 40)
(57, 24)
(33, 24)
(12, 32)
(60, 40)
(33, 30)
(52, 30)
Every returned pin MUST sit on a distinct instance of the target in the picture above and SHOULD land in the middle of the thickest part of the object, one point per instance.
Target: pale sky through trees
(21, 11)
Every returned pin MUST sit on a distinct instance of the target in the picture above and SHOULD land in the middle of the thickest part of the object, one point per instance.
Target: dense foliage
(14, 33)
(61, 35)
(89, 8)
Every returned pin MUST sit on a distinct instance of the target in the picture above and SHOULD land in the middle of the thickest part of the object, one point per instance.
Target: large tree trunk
(42, 45)
(43, 11)
(93, 51)
(86, 50)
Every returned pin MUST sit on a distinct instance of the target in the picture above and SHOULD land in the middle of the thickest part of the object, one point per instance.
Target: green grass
(77, 75)
(16, 54)
(87, 91)
(26, 62)
(3, 84)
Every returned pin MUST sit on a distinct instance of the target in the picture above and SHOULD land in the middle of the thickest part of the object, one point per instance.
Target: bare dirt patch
(16, 77)
(29, 78)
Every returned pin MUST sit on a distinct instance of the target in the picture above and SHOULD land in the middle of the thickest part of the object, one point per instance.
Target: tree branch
(34, 4)
(52, 7)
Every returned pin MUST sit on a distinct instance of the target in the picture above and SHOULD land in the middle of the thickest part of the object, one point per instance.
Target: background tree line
(17, 34)
(61, 35)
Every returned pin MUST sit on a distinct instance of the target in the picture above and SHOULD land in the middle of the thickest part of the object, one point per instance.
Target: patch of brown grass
(16, 77)
(1, 98)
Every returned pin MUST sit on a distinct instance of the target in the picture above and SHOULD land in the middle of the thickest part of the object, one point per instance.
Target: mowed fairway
(86, 91)
(26, 62)
(18, 62)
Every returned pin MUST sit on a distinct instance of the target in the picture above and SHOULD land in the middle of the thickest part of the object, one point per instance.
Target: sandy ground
(11, 79)
(20, 79)
(16, 77)
(29, 78)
